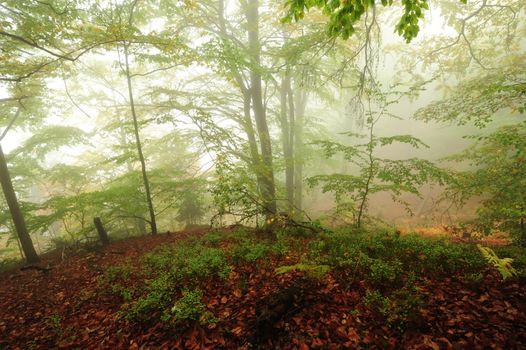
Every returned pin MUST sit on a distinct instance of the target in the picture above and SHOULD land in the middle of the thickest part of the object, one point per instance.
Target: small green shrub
(384, 272)
(115, 274)
(187, 264)
(437, 255)
(207, 262)
(9, 264)
(115, 279)
(241, 234)
(313, 271)
(404, 307)
(518, 254)
(249, 251)
(475, 278)
(158, 297)
(283, 244)
(125, 293)
(375, 301)
(161, 259)
(414, 253)
(213, 238)
(190, 308)
(55, 321)
(400, 308)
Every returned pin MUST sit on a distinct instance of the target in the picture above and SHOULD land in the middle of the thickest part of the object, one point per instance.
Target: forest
(263, 174)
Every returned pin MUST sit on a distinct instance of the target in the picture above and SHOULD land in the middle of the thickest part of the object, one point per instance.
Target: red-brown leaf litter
(63, 307)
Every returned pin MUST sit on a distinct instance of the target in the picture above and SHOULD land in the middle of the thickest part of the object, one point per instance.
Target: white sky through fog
(433, 24)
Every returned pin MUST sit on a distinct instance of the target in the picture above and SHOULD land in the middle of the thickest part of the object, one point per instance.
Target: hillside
(221, 290)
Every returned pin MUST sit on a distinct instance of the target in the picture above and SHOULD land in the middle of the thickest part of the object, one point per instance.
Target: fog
(231, 109)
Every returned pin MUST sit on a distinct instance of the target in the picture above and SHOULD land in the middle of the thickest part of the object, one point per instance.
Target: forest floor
(231, 289)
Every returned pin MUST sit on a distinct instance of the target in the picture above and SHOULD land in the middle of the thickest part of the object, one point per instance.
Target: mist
(129, 119)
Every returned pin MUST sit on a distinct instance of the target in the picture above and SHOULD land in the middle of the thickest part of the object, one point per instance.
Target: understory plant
(370, 173)
(503, 265)
(497, 176)
(171, 271)
(385, 259)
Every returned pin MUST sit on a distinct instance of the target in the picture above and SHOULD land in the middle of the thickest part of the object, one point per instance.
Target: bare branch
(35, 45)
(11, 122)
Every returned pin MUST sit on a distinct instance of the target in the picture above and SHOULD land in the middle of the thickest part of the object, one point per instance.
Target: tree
(191, 209)
(31, 176)
(497, 175)
(35, 40)
(344, 15)
(485, 58)
(477, 100)
(124, 23)
(16, 214)
(374, 174)
(251, 62)
(288, 126)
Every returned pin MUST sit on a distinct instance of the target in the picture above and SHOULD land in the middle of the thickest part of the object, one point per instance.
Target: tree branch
(11, 122)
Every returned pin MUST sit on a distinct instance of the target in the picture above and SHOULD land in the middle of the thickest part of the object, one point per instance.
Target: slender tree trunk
(287, 136)
(300, 105)
(140, 224)
(16, 214)
(19, 247)
(268, 188)
(292, 127)
(363, 202)
(139, 145)
(252, 143)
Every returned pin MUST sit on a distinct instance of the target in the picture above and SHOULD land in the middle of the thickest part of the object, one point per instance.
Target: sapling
(374, 174)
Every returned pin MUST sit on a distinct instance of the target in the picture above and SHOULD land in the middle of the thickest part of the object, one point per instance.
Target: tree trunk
(16, 214)
(287, 136)
(370, 175)
(268, 188)
(247, 124)
(140, 224)
(300, 104)
(139, 145)
(103, 235)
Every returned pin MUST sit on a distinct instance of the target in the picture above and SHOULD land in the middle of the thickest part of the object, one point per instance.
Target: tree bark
(300, 104)
(140, 224)
(16, 214)
(268, 190)
(146, 183)
(370, 174)
(103, 235)
(247, 124)
(287, 136)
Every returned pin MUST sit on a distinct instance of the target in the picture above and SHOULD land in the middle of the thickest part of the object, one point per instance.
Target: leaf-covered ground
(336, 298)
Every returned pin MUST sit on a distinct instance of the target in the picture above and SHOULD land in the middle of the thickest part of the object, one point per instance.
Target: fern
(315, 271)
(503, 265)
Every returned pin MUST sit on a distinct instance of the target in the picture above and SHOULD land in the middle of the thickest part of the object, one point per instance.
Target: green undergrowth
(386, 268)
(385, 258)
(10, 264)
(175, 275)
(392, 267)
